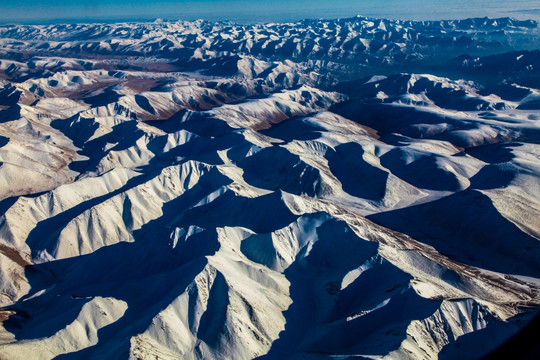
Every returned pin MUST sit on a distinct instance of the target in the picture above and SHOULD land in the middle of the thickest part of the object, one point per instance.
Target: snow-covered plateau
(349, 188)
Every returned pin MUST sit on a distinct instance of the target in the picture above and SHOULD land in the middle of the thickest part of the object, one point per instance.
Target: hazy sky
(257, 10)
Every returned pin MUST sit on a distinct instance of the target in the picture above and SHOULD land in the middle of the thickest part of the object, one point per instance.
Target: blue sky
(256, 10)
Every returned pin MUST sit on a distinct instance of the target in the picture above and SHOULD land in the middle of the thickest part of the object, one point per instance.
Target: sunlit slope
(345, 188)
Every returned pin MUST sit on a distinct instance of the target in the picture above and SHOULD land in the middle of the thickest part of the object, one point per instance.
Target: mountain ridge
(325, 188)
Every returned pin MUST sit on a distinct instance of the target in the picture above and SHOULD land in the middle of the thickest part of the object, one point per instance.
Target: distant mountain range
(352, 188)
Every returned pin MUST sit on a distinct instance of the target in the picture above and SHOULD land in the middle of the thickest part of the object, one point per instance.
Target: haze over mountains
(255, 11)
(350, 188)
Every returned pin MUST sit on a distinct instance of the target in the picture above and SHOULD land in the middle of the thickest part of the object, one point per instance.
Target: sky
(244, 11)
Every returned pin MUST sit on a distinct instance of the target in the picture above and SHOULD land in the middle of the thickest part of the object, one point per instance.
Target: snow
(80, 334)
(210, 190)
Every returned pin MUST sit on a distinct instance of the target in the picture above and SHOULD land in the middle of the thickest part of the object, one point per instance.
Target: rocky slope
(351, 188)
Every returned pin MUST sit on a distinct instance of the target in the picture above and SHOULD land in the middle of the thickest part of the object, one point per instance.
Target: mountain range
(351, 188)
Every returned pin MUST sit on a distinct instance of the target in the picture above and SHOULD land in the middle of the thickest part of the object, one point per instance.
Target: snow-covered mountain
(351, 188)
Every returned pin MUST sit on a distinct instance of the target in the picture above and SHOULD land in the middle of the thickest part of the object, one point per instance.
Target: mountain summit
(351, 188)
